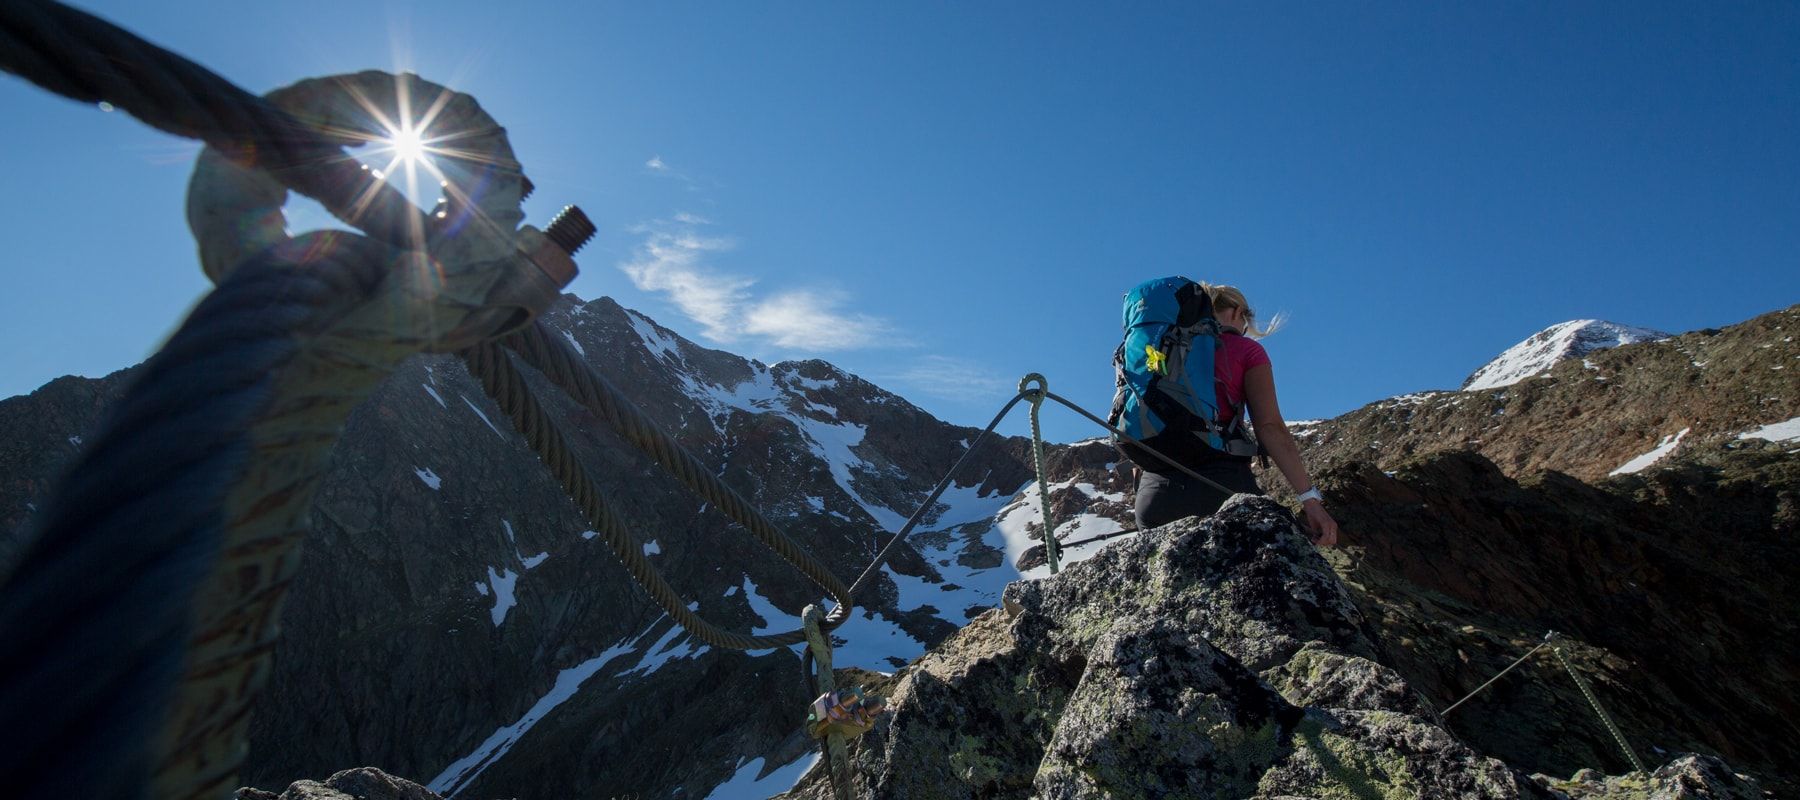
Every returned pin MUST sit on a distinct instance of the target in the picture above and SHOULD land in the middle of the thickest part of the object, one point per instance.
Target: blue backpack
(1164, 368)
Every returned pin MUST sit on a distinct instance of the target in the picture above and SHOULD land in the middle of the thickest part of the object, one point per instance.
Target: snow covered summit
(1543, 349)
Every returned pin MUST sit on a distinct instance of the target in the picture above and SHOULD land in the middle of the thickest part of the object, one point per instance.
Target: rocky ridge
(1215, 658)
(1589, 416)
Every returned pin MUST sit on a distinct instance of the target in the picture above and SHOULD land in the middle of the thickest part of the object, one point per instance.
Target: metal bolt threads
(570, 229)
(526, 187)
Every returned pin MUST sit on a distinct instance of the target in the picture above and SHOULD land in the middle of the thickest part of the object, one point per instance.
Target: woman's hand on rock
(1319, 523)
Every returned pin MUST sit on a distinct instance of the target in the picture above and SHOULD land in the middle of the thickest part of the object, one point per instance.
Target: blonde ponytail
(1224, 297)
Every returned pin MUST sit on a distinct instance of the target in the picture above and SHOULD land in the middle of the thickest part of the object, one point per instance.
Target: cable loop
(1035, 395)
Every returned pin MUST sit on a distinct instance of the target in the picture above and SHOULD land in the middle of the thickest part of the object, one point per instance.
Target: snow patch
(1028, 509)
(795, 379)
(664, 651)
(428, 477)
(572, 343)
(870, 640)
(434, 395)
(873, 642)
(835, 443)
(502, 583)
(1784, 431)
(465, 770)
(744, 785)
(1663, 448)
(484, 417)
(652, 547)
(961, 505)
(654, 341)
(764, 609)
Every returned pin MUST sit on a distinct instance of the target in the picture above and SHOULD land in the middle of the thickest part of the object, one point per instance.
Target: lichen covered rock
(1689, 777)
(1216, 658)
(363, 783)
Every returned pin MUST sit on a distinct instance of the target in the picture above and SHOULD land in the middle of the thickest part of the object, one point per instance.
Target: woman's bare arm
(1272, 431)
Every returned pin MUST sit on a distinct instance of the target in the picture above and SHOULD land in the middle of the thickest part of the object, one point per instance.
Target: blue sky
(961, 192)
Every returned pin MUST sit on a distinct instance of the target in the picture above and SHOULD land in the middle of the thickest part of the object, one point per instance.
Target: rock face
(1661, 580)
(1204, 659)
(351, 784)
(1216, 658)
(1686, 778)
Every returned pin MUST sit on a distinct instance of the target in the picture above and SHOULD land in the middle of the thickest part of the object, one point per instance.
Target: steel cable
(554, 358)
(493, 367)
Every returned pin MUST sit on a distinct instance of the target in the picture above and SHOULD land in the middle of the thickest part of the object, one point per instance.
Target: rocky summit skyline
(454, 622)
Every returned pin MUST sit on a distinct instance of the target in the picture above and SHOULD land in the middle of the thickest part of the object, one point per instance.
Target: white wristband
(1311, 494)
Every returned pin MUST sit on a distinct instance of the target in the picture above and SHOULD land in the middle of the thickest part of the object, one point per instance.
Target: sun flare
(408, 144)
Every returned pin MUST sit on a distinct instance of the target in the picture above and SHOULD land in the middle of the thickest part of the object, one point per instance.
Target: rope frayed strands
(97, 616)
(194, 495)
(82, 57)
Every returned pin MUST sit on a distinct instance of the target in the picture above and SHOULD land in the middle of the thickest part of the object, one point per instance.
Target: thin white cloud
(674, 260)
(952, 378)
(808, 320)
(656, 164)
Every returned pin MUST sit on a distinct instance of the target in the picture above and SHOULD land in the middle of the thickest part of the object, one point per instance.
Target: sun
(408, 144)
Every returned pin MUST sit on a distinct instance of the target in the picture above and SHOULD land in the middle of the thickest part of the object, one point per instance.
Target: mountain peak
(1543, 349)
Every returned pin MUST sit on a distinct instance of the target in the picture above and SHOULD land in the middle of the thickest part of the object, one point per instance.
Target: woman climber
(1243, 381)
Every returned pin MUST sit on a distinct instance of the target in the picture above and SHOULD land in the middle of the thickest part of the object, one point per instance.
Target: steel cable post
(1035, 396)
(837, 759)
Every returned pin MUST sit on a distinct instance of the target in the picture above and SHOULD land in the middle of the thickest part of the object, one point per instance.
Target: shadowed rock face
(1664, 583)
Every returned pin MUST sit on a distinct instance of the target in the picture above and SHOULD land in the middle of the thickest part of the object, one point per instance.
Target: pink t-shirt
(1229, 365)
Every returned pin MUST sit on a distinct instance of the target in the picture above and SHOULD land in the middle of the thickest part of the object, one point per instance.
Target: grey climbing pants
(1162, 499)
